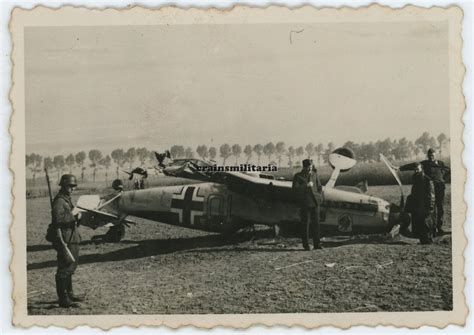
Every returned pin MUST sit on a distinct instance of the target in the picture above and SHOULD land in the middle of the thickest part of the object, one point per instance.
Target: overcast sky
(155, 86)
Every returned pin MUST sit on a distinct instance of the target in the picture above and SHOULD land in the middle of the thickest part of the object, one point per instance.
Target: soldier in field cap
(438, 172)
(308, 190)
(65, 219)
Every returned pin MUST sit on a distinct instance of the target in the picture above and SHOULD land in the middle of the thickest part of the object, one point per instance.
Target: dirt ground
(161, 269)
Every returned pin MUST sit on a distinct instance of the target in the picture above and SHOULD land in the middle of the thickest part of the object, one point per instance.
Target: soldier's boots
(425, 239)
(70, 291)
(317, 244)
(307, 247)
(61, 290)
(439, 231)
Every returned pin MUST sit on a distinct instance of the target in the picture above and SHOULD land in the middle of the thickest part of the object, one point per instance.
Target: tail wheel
(115, 234)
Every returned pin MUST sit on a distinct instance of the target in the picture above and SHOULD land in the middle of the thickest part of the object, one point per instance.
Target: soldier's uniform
(310, 199)
(438, 172)
(422, 207)
(66, 224)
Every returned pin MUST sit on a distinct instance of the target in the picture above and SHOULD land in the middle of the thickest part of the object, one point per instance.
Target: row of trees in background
(275, 153)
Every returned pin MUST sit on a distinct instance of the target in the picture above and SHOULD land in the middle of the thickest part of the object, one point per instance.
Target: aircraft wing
(268, 189)
(188, 168)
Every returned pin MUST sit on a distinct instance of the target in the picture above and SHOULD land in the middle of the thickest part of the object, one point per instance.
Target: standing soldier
(438, 172)
(309, 191)
(422, 206)
(65, 218)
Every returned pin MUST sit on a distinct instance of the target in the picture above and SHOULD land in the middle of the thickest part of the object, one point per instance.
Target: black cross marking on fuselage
(187, 205)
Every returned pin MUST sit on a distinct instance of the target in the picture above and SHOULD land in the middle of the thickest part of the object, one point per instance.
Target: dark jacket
(308, 196)
(64, 219)
(422, 196)
(436, 170)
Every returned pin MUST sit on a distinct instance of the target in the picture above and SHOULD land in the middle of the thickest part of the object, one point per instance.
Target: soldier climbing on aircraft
(138, 175)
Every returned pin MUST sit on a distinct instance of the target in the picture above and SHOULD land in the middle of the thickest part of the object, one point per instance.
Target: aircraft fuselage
(213, 207)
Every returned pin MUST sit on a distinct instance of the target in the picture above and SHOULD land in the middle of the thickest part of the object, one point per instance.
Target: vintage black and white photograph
(249, 162)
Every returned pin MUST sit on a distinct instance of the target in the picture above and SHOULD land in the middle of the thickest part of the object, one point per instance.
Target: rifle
(69, 257)
(49, 189)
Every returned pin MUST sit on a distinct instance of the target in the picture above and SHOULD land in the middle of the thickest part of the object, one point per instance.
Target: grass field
(159, 269)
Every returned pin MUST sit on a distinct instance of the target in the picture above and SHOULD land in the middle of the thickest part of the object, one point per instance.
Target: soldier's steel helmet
(68, 180)
(117, 185)
(307, 162)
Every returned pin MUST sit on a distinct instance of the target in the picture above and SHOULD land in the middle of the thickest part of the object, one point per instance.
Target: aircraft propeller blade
(393, 170)
(403, 217)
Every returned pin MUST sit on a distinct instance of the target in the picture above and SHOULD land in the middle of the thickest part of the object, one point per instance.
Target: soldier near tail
(438, 172)
(308, 190)
(421, 206)
(65, 219)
